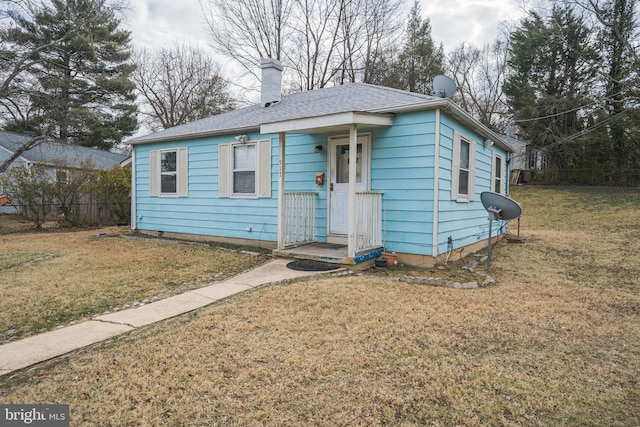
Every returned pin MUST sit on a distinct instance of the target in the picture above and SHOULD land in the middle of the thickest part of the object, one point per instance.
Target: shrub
(113, 191)
(32, 190)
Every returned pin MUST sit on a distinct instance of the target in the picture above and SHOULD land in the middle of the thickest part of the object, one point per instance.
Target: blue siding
(465, 222)
(402, 167)
(402, 161)
(202, 212)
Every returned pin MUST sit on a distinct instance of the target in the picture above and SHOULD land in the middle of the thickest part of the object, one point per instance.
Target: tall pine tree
(420, 60)
(553, 67)
(622, 87)
(84, 94)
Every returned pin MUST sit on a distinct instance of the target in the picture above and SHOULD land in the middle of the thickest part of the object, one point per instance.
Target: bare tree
(178, 85)
(323, 42)
(248, 30)
(480, 74)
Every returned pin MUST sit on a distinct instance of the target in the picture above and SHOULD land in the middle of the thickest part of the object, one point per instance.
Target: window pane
(342, 164)
(168, 184)
(464, 154)
(244, 182)
(463, 182)
(168, 161)
(244, 157)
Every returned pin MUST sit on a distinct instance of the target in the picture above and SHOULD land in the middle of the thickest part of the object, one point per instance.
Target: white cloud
(470, 21)
(157, 23)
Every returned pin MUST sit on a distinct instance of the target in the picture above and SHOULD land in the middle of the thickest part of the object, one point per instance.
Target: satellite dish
(444, 87)
(500, 208)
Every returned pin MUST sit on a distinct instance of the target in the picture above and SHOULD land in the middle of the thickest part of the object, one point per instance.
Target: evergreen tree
(420, 60)
(84, 94)
(553, 63)
(622, 86)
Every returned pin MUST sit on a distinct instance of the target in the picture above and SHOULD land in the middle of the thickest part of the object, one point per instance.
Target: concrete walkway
(39, 348)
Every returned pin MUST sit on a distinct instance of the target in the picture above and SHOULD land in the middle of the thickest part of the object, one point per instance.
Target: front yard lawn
(553, 343)
(56, 277)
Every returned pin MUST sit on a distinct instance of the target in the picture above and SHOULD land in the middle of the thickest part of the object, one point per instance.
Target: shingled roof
(357, 97)
(353, 97)
(50, 152)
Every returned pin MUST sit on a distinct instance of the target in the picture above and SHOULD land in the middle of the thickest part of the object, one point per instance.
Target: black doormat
(301, 265)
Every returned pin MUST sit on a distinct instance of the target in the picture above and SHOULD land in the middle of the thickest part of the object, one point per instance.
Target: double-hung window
(498, 174)
(463, 169)
(168, 172)
(244, 169)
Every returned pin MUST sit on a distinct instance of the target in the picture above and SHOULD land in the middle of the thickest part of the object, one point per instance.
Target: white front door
(339, 179)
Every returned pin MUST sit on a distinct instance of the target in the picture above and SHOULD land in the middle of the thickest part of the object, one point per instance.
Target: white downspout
(353, 163)
(436, 187)
(281, 168)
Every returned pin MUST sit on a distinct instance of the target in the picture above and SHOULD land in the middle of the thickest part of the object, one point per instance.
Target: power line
(567, 111)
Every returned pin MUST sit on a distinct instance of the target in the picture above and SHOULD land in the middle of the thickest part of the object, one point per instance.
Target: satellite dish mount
(500, 208)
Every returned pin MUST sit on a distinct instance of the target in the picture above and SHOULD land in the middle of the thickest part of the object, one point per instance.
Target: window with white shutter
(168, 172)
(245, 169)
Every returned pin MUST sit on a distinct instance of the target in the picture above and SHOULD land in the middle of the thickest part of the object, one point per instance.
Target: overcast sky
(160, 22)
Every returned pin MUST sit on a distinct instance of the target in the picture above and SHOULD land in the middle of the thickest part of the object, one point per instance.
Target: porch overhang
(331, 122)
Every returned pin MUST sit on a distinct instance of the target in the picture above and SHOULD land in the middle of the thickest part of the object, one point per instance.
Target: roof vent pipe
(271, 90)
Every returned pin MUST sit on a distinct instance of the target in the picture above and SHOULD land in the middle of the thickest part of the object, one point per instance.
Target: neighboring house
(334, 174)
(55, 156)
(525, 161)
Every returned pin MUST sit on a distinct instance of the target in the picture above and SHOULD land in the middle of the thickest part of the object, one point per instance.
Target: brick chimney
(271, 91)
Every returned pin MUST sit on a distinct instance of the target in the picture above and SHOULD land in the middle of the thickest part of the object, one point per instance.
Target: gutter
(183, 137)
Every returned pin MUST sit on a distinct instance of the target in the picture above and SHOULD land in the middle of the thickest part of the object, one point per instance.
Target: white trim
(501, 188)
(160, 173)
(366, 140)
(281, 171)
(329, 121)
(436, 188)
(233, 170)
(262, 170)
(353, 165)
(134, 218)
(455, 169)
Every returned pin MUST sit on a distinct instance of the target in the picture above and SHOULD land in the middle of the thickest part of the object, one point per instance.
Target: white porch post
(353, 164)
(281, 212)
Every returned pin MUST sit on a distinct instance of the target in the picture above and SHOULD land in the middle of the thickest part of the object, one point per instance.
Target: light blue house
(336, 174)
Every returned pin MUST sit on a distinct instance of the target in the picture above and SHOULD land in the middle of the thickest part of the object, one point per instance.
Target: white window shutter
(455, 166)
(224, 167)
(264, 168)
(183, 172)
(503, 175)
(154, 173)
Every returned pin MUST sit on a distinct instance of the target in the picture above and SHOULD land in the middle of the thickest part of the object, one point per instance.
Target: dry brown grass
(554, 342)
(58, 276)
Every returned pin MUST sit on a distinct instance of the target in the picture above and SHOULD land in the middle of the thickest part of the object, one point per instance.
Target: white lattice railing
(369, 224)
(299, 218)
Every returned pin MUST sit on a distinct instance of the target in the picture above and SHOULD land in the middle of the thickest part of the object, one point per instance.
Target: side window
(498, 174)
(169, 172)
(463, 169)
